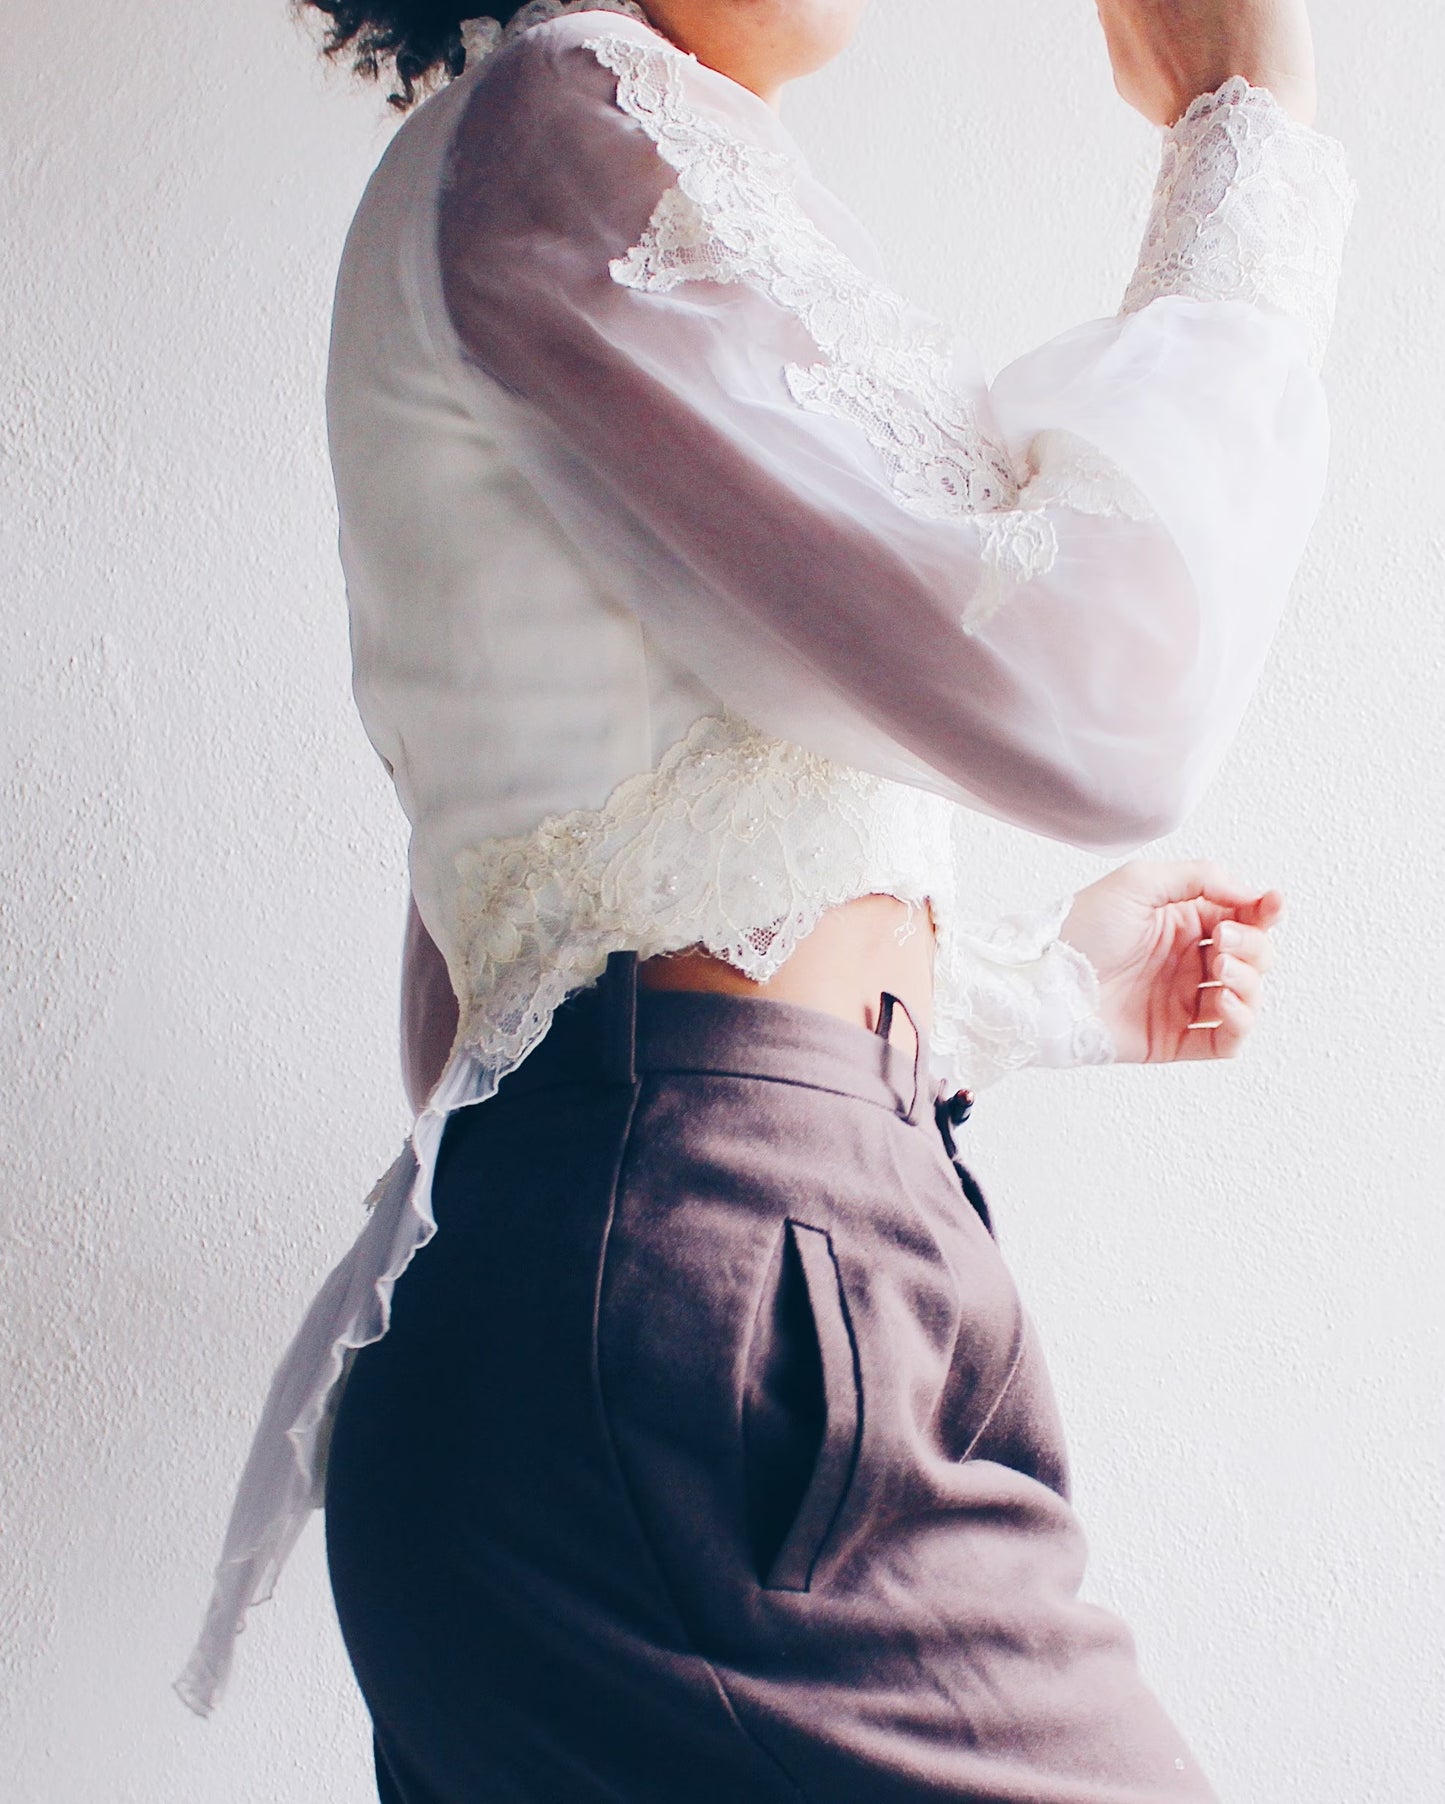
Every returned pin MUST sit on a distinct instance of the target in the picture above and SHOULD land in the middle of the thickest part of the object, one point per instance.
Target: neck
(721, 39)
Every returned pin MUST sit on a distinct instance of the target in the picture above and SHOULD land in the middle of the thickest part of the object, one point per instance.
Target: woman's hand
(1163, 994)
(1167, 52)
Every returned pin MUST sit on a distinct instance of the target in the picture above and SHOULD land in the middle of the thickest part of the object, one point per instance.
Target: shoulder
(590, 134)
(569, 64)
(547, 103)
(547, 177)
(543, 150)
(580, 124)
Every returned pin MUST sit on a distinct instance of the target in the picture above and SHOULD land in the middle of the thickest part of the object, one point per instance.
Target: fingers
(1267, 910)
(1235, 950)
(1232, 977)
(1229, 996)
(1225, 1025)
(1250, 946)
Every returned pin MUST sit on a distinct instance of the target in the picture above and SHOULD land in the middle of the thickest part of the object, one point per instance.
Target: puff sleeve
(1049, 598)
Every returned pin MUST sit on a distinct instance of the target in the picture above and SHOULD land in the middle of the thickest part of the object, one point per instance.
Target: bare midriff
(853, 953)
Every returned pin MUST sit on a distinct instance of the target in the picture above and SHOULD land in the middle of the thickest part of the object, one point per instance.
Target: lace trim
(1250, 205)
(1020, 543)
(734, 218)
(738, 842)
(987, 976)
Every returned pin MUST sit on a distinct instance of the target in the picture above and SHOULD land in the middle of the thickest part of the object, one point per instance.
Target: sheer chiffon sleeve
(1049, 599)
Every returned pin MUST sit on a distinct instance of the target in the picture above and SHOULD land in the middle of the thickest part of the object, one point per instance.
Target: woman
(701, 595)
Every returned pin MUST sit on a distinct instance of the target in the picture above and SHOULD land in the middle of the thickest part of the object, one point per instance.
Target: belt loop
(619, 1018)
(886, 1002)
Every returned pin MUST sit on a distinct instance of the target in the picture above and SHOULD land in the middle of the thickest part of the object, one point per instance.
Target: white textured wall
(1236, 1268)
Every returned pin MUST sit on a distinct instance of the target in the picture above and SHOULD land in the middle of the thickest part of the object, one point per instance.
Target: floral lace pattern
(737, 842)
(733, 217)
(1250, 205)
(1020, 543)
(990, 981)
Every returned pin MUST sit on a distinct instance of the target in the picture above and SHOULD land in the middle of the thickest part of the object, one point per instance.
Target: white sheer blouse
(698, 582)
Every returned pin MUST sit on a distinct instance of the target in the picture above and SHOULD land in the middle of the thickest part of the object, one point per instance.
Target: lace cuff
(1250, 205)
(1011, 993)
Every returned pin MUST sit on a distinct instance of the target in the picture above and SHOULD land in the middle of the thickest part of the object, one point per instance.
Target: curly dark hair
(421, 41)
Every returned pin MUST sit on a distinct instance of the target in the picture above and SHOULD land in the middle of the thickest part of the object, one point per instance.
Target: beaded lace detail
(737, 842)
(1250, 205)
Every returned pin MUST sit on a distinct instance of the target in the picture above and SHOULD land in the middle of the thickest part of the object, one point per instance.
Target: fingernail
(1227, 934)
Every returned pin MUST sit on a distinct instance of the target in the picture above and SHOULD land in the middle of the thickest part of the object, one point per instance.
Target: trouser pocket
(801, 1409)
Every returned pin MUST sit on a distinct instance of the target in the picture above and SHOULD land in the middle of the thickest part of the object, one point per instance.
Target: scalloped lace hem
(738, 843)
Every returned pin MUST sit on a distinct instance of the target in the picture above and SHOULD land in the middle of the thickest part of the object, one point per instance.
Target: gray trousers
(710, 1457)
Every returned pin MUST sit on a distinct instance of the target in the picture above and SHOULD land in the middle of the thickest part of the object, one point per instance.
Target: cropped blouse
(698, 582)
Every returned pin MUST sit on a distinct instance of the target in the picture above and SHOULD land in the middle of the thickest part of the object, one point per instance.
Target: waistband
(610, 1031)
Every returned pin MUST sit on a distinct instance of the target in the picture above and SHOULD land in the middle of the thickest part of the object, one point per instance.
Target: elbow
(1113, 806)
(1128, 788)
(1125, 829)
(1118, 815)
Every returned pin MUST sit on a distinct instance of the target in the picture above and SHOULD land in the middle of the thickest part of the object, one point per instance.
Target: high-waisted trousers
(710, 1457)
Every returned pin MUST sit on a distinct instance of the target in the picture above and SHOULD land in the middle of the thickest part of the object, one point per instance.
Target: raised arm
(1051, 599)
